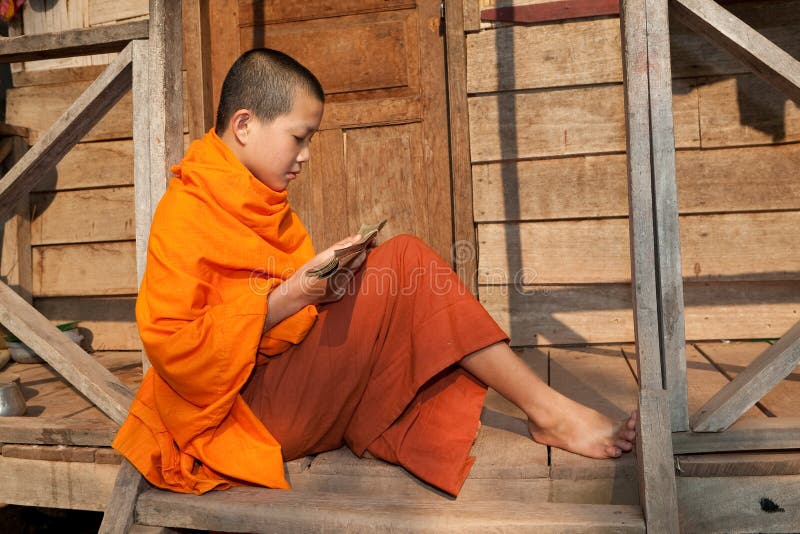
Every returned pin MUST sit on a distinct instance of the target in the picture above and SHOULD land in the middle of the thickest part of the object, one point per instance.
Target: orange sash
(220, 242)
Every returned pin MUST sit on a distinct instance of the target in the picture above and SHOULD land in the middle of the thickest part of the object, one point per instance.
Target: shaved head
(265, 82)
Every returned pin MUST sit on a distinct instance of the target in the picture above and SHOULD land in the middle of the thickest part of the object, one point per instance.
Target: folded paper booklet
(343, 256)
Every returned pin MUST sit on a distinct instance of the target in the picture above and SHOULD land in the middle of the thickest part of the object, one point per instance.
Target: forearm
(287, 299)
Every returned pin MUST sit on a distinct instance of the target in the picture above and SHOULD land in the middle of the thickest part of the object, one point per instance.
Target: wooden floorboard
(599, 377)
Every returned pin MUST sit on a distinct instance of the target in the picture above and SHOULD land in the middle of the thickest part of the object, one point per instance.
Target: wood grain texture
(89, 377)
(762, 56)
(105, 11)
(42, 430)
(600, 378)
(107, 323)
(80, 486)
(53, 453)
(77, 42)
(252, 12)
(748, 434)
(566, 122)
(77, 120)
(766, 371)
(82, 216)
(458, 117)
(223, 42)
(16, 263)
(119, 514)
(197, 64)
(739, 504)
(235, 511)
(725, 247)
(543, 315)
(733, 464)
(733, 358)
(472, 15)
(760, 115)
(88, 165)
(734, 179)
(55, 76)
(61, 270)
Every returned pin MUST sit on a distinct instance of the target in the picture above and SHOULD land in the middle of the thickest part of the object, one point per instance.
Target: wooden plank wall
(550, 202)
(82, 228)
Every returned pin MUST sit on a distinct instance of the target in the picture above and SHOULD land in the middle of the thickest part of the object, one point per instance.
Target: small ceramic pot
(12, 403)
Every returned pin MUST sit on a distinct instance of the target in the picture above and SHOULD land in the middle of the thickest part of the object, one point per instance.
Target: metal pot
(12, 403)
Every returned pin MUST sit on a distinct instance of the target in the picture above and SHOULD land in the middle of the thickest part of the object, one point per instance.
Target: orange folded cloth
(220, 242)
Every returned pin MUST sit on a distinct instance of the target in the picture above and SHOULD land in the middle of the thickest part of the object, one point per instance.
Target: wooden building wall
(547, 142)
(82, 215)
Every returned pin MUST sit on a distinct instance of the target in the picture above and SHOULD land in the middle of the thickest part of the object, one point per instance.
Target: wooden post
(657, 487)
(16, 262)
(465, 248)
(669, 279)
(197, 63)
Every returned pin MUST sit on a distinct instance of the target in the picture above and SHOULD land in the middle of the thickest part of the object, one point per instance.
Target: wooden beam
(760, 54)
(119, 515)
(197, 63)
(740, 394)
(48, 431)
(16, 258)
(549, 11)
(68, 129)
(654, 449)
(665, 207)
(89, 377)
(465, 256)
(68, 43)
(144, 196)
(751, 434)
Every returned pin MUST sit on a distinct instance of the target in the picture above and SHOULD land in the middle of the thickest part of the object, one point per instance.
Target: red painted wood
(559, 10)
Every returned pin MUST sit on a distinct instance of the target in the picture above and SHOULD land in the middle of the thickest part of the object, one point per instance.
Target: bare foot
(587, 432)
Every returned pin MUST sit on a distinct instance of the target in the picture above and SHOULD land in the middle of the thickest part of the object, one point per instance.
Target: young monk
(255, 363)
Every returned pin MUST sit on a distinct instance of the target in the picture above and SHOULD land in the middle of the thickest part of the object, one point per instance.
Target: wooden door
(382, 150)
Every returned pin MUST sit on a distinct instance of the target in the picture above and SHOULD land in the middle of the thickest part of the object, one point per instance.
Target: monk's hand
(333, 288)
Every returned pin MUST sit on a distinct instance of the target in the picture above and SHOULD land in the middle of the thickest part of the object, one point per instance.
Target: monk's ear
(240, 125)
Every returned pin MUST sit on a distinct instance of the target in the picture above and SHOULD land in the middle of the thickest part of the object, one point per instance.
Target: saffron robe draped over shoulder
(220, 242)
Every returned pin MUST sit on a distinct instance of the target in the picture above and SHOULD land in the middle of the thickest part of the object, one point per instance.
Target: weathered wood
(105, 11)
(90, 165)
(55, 453)
(732, 464)
(57, 431)
(254, 12)
(16, 263)
(57, 76)
(466, 264)
(761, 115)
(236, 511)
(119, 514)
(88, 377)
(197, 64)
(81, 116)
(599, 377)
(472, 15)
(665, 208)
(146, 190)
(601, 313)
(77, 42)
(223, 42)
(739, 504)
(82, 216)
(709, 181)
(725, 247)
(108, 323)
(62, 270)
(107, 455)
(751, 434)
(775, 364)
(764, 58)
(573, 121)
(733, 358)
(550, 11)
(653, 448)
(74, 485)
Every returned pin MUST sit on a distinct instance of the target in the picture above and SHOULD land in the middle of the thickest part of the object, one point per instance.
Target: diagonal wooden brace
(761, 55)
(76, 122)
(739, 395)
(89, 377)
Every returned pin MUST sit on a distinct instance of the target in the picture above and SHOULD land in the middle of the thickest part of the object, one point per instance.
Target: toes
(613, 452)
(624, 445)
(631, 424)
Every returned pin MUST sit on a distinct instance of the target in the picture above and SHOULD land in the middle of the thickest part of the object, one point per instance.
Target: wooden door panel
(272, 11)
(360, 52)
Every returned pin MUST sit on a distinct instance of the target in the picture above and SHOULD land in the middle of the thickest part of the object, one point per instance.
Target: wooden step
(264, 510)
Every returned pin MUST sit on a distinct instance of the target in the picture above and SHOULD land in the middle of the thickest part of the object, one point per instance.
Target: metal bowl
(12, 403)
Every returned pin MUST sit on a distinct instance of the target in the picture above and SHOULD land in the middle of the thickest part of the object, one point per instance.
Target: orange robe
(220, 241)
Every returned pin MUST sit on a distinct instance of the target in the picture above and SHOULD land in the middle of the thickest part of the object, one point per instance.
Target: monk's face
(275, 151)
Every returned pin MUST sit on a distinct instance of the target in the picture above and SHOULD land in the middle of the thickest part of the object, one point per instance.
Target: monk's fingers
(347, 241)
(357, 262)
